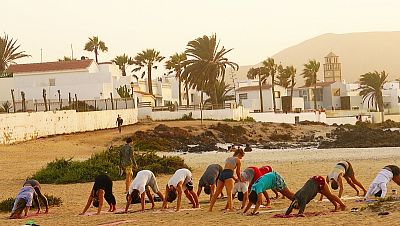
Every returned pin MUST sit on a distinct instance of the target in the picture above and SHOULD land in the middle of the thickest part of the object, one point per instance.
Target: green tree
(175, 63)
(122, 61)
(146, 59)
(271, 69)
(206, 64)
(371, 88)
(66, 58)
(124, 91)
(94, 45)
(9, 52)
(262, 75)
(222, 90)
(286, 78)
(310, 74)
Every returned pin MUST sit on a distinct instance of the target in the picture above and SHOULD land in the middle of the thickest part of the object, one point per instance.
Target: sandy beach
(21, 160)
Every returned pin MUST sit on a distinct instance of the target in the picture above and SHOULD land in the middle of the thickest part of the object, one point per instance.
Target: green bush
(66, 171)
(7, 205)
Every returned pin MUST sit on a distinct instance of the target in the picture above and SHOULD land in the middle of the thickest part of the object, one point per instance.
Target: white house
(249, 97)
(84, 78)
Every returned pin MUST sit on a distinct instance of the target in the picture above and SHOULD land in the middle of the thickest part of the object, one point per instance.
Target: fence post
(112, 102)
(126, 104)
(69, 100)
(45, 100)
(13, 100)
(36, 105)
(95, 105)
(116, 104)
(23, 101)
(76, 102)
(59, 98)
(105, 101)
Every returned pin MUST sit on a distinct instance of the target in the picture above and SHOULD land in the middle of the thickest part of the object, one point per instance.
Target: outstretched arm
(165, 205)
(259, 202)
(142, 201)
(340, 182)
(128, 202)
(101, 200)
(36, 201)
(199, 189)
(249, 204)
(89, 201)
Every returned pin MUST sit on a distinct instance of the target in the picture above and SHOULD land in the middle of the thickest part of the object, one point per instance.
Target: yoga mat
(116, 222)
(310, 214)
(343, 198)
(172, 210)
(102, 212)
(273, 211)
(261, 206)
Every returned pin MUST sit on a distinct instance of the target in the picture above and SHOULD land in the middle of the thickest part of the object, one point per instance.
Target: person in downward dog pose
(227, 178)
(378, 187)
(102, 188)
(23, 202)
(343, 169)
(270, 180)
(311, 188)
(252, 173)
(209, 180)
(180, 181)
(140, 186)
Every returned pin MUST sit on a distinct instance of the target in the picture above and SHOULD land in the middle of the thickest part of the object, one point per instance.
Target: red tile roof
(252, 88)
(50, 66)
(319, 84)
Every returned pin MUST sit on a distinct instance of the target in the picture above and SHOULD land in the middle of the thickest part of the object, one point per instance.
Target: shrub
(65, 171)
(7, 205)
(249, 119)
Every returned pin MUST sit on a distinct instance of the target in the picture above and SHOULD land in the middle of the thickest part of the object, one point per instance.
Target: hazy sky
(255, 29)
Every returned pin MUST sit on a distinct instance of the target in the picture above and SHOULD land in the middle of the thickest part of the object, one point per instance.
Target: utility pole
(72, 53)
(234, 84)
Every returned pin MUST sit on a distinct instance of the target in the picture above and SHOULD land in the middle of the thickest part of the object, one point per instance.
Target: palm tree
(371, 87)
(66, 58)
(147, 58)
(286, 78)
(94, 45)
(175, 63)
(9, 52)
(262, 75)
(207, 64)
(310, 74)
(222, 90)
(122, 61)
(271, 69)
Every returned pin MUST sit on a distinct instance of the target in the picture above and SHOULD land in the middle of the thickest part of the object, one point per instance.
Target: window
(277, 94)
(243, 96)
(52, 81)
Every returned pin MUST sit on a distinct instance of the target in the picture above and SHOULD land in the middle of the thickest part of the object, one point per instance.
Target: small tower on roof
(332, 68)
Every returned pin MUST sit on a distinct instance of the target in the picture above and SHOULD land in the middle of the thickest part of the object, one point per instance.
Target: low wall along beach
(26, 126)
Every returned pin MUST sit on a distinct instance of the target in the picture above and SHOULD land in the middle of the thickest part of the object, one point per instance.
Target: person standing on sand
(311, 188)
(227, 179)
(378, 187)
(180, 181)
(102, 188)
(119, 123)
(126, 162)
(343, 169)
(209, 179)
(270, 180)
(140, 187)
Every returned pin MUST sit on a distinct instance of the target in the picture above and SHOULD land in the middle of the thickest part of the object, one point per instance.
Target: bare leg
(355, 181)
(333, 198)
(220, 186)
(287, 193)
(229, 183)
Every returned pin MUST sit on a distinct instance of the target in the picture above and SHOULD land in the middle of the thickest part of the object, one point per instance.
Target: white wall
(220, 114)
(289, 117)
(26, 126)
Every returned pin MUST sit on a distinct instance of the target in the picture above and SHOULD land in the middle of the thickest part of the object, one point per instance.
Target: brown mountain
(359, 53)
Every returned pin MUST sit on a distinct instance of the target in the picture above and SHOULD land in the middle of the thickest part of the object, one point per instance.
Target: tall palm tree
(175, 63)
(222, 90)
(262, 75)
(286, 78)
(271, 68)
(9, 52)
(206, 64)
(310, 74)
(147, 58)
(94, 45)
(122, 61)
(371, 87)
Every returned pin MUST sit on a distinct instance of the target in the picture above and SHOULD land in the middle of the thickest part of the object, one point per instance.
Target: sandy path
(21, 160)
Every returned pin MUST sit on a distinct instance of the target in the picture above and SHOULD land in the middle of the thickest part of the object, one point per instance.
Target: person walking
(126, 162)
(119, 123)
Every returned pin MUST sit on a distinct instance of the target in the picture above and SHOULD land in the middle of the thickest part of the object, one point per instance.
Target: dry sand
(296, 166)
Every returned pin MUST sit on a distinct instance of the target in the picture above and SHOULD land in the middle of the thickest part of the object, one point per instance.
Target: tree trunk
(213, 94)
(273, 91)
(178, 74)
(291, 96)
(315, 96)
(261, 96)
(149, 82)
(95, 54)
(187, 93)
(45, 100)
(380, 101)
(23, 101)
(123, 70)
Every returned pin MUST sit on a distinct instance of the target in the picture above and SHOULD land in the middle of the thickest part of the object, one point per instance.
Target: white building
(84, 78)
(249, 97)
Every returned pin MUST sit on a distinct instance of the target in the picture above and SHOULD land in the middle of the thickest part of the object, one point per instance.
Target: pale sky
(256, 29)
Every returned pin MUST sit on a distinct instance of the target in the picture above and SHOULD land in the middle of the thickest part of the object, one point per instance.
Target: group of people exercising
(250, 186)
